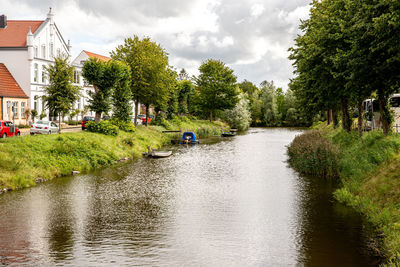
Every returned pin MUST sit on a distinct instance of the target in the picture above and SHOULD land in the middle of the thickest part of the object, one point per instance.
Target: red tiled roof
(8, 85)
(92, 55)
(14, 35)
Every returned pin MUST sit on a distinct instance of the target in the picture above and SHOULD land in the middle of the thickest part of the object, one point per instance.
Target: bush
(72, 122)
(313, 154)
(126, 126)
(103, 127)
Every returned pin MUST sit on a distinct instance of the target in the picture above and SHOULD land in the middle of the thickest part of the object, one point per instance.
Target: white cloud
(251, 36)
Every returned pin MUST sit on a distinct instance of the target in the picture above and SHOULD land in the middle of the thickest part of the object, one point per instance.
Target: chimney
(3, 21)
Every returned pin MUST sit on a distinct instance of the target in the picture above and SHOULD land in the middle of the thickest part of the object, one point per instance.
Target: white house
(26, 48)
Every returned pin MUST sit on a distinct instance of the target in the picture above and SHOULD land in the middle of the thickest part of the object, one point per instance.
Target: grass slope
(28, 159)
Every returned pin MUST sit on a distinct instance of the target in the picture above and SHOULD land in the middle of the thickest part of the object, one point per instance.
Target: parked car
(44, 127)
(6, 128)
(85, 120)
(143, 118)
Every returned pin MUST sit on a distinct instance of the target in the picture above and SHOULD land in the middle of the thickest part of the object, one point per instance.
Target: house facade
(13, 100)
(27, 47)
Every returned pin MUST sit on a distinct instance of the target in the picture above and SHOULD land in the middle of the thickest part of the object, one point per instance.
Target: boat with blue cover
(189, 138)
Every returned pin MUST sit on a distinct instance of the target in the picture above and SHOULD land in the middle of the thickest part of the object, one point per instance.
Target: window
(76, 77)
(43, 74)
(35, 105)
(36, 51)
(43, 51)
(35, 73)
(8, 110)
(51, 50)
(58, 52)
(15, 107)
(23, 110)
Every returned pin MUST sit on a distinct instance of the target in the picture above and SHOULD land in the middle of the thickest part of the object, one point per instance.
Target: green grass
(369, 172)
(26, 159)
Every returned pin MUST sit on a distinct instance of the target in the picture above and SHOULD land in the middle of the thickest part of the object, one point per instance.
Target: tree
(183, 75)
(122, 95)
(34, 114)
(186, 91)
(269, 107)
(239, 117)
(217, 87)
(150, 71)
(60, 94)
(103, 76)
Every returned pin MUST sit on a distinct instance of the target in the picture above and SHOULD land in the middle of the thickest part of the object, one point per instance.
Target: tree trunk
(335, 118)
(360, 117)
(329, 116)
(97, 116)
(211, 115)
(346, 122)
(136, 110)
(59, 122)
(384, 112)
(147, 114)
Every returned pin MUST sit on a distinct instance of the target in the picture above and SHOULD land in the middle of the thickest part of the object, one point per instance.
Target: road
(25, 131)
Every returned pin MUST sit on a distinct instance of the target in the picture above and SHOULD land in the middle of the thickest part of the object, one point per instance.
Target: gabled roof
(14, 35)
(8, 85)
(93, 55)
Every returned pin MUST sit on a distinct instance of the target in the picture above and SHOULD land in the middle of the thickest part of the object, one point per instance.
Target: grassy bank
(369, 172)
(27, 160)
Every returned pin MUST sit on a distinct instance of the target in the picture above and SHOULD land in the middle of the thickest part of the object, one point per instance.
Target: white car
(44, 127)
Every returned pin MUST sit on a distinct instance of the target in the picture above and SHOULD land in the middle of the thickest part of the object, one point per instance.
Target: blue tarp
(191, 135)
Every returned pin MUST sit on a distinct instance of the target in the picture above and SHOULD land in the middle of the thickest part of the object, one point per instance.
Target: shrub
(126, 126)
(313, 154)
(72, 122)
(103, 127)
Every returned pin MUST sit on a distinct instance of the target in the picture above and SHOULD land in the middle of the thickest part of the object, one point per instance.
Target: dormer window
(43, 51)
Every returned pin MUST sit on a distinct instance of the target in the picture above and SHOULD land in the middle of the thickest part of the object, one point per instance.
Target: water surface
(233, 202)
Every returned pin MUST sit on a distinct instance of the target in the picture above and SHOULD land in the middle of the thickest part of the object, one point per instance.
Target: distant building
(12, 96)
(26, 48)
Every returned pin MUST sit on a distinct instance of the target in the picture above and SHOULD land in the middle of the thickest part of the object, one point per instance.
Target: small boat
(228, 134)
(189, 138)
(157, 154)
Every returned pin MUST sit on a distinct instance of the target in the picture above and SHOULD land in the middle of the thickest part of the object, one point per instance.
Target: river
(225, 202)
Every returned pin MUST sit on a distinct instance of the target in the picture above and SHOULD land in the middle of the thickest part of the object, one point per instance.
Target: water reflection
(226, 203)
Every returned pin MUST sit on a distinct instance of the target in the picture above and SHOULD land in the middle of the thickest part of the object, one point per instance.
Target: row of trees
(349, 50)
(140, 72)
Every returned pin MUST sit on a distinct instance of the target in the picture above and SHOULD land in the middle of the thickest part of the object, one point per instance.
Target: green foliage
(103, 127)
(34, 114)
(42, 115)
(152, 80)
(217, 87)
(269, 108)
(311, 153)
(239, 117)
(348, 50)
(186, 93)
(104, 76)
(122, 95)
(60, 93)
(126, 126)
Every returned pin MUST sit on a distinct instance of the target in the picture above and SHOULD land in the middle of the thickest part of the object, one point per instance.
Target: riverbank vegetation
(368, 171)
(27, 160)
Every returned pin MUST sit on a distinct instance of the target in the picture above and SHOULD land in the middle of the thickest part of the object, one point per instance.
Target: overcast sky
(250, 36)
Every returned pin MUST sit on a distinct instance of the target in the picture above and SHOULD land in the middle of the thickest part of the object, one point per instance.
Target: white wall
(17, 63)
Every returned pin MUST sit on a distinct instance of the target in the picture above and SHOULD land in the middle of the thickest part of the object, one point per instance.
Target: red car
(5, 130)
(85, 120)
(143, 118)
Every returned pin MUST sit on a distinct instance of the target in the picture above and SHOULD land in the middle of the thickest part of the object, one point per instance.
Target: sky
(251, 36)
